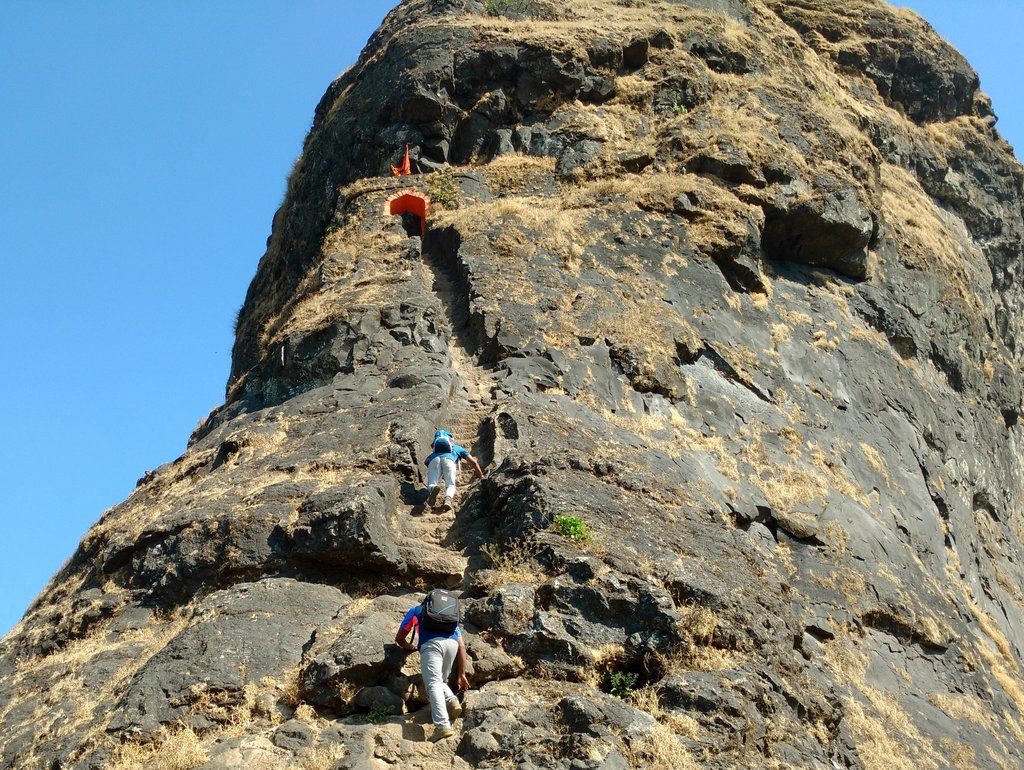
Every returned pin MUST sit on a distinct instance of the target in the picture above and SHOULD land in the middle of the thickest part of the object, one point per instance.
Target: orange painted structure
(410, 201)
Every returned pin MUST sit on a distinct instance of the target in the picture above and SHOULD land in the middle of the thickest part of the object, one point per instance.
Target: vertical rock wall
(723, 295)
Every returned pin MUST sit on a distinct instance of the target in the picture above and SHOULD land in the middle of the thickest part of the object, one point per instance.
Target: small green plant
(622, 683)
(442, 189)
(572, 527)
(378, 715)
(330, 230)
(679, 109)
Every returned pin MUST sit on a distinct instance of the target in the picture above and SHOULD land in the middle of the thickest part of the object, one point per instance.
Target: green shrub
(573, 528)
(622, 683)
(378, 715)
(442, 189)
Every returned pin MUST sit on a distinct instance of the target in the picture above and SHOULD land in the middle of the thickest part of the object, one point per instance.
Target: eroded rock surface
(724, 294)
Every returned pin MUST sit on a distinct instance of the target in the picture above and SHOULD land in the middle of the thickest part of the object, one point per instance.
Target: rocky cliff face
(724, 294)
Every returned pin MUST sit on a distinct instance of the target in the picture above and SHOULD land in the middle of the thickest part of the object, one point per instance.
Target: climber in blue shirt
(442, 463)
(441, 647)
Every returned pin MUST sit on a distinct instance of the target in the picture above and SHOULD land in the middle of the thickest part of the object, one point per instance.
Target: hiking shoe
(454, 709)
(447, 505)
(432, 495)
(440, 733)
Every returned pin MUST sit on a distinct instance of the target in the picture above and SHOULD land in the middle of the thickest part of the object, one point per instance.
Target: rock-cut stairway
(426, 540)
(425, 534)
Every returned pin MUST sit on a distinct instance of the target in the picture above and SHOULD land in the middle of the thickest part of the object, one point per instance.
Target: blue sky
(145, 147)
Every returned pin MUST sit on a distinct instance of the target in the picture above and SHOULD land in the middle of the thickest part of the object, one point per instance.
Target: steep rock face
(734, 284)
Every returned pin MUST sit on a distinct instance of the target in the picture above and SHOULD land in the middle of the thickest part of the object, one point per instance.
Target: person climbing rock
(440, 643)
(442, 464)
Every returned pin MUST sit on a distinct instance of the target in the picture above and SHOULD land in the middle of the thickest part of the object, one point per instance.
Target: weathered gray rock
(928, 79)
(363, 654)
(379, 699)
(604, 718)
(239, 636)
(729, 308)
(246, 751)
(348, 527)
(834, 231)
(294, 735)
(488, 663)
(506, 612)
(501, 723)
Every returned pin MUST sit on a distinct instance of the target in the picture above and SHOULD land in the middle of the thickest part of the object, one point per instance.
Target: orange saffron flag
(405, 169)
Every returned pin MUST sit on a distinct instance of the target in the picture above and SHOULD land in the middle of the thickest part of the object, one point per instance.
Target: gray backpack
(440, 612)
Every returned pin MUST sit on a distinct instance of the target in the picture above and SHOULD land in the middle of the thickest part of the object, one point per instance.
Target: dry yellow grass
(851, 583)
(788, 487)
(646, 699)
(697, 625)
(886, 737)
(780, 334)
(513, 563)
(930, 240)
(796, 317)
(963, 706)
(324, 757)
(61, 670)
(514, 172)
(634, 90)
(960, 755)
(875, 460)
(988, 370)
(606, 655)
(822, 341)
(837, 536)
(831, 465)
(176, 748)
(560, 26)
(521, 226)
(997, 652)
(886, 740)
(660, 751)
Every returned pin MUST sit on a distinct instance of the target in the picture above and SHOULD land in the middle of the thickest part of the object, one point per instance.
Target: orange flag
(405, 169)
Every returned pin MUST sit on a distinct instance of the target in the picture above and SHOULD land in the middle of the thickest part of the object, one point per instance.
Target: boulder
(239, 636)
(833, 231)
(348, 527)
(363, 654)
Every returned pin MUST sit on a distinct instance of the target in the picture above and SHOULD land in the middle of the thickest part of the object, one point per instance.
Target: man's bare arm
(460, 665)
(402, 639)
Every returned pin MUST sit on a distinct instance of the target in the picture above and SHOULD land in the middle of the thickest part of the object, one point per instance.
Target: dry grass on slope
(929, 240)
(514, 172)
(54, 683)
(997, 652)
(177, 748)
(518, 228)
(359, 269)
(886, 736)
(661, 750)
(562, 27)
